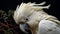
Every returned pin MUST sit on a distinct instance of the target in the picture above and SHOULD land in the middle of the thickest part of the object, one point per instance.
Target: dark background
(12, 4)
(7, 5)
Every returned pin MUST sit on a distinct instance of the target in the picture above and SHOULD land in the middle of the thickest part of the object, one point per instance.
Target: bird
(32, 16)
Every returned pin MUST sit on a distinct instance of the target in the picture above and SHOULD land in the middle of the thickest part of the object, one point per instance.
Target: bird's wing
(48, 27)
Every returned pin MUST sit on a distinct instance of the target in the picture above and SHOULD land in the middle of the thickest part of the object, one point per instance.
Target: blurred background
(7, 7)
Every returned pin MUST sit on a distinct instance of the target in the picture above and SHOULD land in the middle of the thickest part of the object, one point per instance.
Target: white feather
(35, 14)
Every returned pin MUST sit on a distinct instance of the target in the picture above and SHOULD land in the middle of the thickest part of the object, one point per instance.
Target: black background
(12, 4)
(54, 10)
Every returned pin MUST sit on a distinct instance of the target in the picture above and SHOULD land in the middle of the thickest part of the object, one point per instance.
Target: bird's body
(39, 21)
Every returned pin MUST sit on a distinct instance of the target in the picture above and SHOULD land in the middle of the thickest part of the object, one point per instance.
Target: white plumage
(38, 20)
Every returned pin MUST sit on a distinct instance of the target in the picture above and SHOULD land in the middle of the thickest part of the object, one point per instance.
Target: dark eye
(26, 19)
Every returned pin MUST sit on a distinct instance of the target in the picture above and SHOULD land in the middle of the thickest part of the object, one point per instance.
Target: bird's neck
(34, 30)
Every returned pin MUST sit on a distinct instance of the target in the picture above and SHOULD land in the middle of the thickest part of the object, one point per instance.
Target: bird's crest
(33, 6)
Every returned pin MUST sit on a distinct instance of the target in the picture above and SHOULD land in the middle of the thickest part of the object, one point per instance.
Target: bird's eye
(26, 19)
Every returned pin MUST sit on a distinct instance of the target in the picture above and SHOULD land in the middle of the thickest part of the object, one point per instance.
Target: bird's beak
(24, 28)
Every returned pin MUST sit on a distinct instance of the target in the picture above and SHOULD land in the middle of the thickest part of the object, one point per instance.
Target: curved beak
(24, 28)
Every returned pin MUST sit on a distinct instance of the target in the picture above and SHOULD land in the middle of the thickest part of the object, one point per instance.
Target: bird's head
(22, 13)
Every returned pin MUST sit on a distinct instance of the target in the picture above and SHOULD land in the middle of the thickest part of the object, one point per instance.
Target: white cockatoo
(32, 16)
